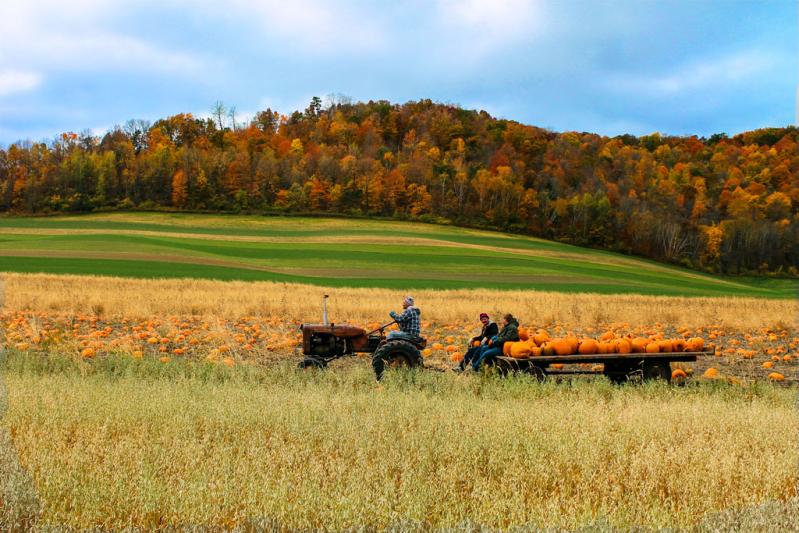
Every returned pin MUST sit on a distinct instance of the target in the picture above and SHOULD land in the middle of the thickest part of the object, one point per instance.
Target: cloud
(695, 76)
(18, 81)
(80, 35)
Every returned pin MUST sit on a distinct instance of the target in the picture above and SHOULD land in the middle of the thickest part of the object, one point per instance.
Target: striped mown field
(341, 252)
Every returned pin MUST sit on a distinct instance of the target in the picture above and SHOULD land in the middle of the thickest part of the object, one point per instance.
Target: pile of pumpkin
(540, 343)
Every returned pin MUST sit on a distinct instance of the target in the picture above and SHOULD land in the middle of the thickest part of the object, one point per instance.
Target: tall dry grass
(228, 299)
(329, 451)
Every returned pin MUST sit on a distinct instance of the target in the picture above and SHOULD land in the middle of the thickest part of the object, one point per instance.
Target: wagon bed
(618, 367)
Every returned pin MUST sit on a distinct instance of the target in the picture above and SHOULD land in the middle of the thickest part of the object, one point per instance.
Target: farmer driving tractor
(409, 321)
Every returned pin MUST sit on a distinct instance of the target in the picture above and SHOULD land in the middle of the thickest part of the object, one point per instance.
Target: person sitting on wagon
(489, 330)
(409, 322)
(508, 333)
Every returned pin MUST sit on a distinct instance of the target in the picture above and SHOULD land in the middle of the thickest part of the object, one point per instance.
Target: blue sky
(611, 66)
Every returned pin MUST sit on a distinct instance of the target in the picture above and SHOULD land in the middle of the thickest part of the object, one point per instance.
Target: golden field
(172, 404)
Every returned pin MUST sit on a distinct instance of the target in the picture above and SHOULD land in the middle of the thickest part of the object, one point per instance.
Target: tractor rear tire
(395, 354)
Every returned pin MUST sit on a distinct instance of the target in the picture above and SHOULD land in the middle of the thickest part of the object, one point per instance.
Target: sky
(608, 66)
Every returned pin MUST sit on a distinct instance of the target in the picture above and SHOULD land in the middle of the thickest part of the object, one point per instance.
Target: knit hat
(483, 315)
(408, 300)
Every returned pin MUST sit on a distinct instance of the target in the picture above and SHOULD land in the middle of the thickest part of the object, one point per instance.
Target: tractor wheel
(657, 370)
(395, 354)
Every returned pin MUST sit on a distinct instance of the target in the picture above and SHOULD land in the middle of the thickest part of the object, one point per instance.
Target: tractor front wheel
(395, 354)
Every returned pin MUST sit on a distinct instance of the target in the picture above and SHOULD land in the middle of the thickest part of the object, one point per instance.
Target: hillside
(340, 252)
(720, 205)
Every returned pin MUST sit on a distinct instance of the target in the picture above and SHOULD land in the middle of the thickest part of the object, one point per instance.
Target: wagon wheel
(656, 370)
(537, 371)
(311, 363)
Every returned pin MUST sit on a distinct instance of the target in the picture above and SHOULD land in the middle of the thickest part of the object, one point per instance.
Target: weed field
(341, 252)
(124, 443)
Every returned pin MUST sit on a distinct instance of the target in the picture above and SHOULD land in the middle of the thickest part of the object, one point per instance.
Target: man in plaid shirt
(410, 321)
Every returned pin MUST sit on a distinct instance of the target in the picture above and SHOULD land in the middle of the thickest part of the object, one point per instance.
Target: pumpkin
(776, 376)
(452, 348)
(639, 344)
(519, 349)
(574, 344)
(562, 347)
(695, 344)
(653, 347)
(535, 351)
(523, 335)
(665, 346)
(450, 340)
(622, 346)
(711, 373)
(588, 347)
(768, 364)
(556, 366)
(228, 361)
(547, 349)
(506, 348)
(456, 357)
(438, 346)
(475, 344)
(678, 345)
(541, 337)
(88, 353)
(678, 373)
(427, 352)
(608, 335)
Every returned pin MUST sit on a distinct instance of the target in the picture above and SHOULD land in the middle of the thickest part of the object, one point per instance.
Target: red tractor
(322, 343)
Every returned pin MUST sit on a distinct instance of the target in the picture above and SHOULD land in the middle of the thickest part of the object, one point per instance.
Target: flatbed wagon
(617, 367)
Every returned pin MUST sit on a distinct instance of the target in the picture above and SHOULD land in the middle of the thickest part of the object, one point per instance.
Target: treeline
(720, 204)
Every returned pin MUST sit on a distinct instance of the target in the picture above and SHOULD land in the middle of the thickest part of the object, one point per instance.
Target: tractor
(322, 343)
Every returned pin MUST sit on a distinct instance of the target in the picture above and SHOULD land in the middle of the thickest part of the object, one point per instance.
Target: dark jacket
(489, 330)
(509, 333)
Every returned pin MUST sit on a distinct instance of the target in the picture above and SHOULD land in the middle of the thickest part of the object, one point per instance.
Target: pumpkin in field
(556, 366)
(452, 348)
(547, 349)
(695, 344)
(639, 344)
(623, 346)
(456, 357)
(427, 352)
(665, 346)
(438, 346)
(711, 373)
(88, 353)
(520, 349)
(475, 344)
(541, 337)
(776, 376)
(678, 345)
(608, 335)
(768, 364)
(588, 347)
(506, 348)
(523, 335)
(653, 347)
(678, 374)
(535, 351)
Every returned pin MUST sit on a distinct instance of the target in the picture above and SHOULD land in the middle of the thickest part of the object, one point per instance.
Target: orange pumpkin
(665, 346)
(678, 373)
(520, 350)
(562, 347)
(653, 347)
(475, 344)
(608, 335)
(547, 349)
(574, 344)
(639, 344)
(541, 337)
(776, 376)
(695, 344)
(523, 335)
(623, 346)
(506, 348)
(588, 347)
(535, 351)
(711, 373)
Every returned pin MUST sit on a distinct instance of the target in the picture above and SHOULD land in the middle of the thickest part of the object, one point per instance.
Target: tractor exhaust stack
(324, 310)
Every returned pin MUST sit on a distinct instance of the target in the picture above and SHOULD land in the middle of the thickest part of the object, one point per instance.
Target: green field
(340, 252)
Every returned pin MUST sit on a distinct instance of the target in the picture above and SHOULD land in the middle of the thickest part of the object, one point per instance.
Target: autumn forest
(720, 204)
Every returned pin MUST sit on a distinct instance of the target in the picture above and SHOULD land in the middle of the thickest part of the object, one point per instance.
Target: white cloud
(79, 35)
(484, 26)
(18, 81)
(696, 76)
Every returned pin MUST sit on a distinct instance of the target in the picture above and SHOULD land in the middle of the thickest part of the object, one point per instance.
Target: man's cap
(483, 315)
